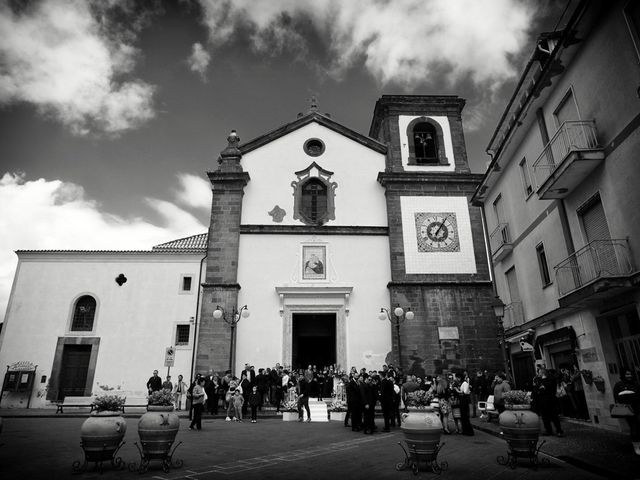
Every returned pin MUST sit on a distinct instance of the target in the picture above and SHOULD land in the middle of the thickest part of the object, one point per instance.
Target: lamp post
(399, 316)
(232, 319)
(498, 310)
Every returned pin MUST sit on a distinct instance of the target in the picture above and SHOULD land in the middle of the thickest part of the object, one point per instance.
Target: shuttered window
(594, 221)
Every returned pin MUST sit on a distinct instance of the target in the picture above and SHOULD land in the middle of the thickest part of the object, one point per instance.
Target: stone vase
(422, 429)
(157, 430)
(520, 428)
(101, 435)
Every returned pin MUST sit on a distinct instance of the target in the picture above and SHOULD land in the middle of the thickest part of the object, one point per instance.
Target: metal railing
(598, 259)
(571, 136)
(499, 237)
(513, 315)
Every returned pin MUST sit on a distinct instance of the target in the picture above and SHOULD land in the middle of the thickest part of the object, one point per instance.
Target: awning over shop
(564, 334)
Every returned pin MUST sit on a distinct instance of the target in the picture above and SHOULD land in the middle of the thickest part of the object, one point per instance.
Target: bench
(70, 401)
(488, 409)
(135, 402)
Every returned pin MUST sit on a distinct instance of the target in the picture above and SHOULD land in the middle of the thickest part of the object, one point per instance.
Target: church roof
(313, 116)
(196, 243)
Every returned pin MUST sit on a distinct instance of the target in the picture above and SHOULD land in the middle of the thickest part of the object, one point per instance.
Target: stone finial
(313, 104)
(231, 155)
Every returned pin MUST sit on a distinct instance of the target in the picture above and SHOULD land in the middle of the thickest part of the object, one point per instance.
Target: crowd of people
(454, 395)
(363, 392)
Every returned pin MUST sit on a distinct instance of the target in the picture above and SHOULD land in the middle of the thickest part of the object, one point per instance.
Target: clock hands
(441, 225)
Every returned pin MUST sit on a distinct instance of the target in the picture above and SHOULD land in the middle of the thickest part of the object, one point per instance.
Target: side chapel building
(317, 232)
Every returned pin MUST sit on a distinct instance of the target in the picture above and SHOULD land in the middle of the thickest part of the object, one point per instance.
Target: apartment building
(561, 202)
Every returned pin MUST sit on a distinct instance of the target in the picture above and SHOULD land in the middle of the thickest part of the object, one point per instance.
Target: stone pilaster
(220, 286)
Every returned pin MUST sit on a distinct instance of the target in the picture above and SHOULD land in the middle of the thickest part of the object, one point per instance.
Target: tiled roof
(194, 242)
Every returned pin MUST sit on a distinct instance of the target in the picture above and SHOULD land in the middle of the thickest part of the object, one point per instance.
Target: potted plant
(520, 427)
(102, 433)
(587, 375)
(337, 410)
(598, 381)
(158, 428)
(289, 411)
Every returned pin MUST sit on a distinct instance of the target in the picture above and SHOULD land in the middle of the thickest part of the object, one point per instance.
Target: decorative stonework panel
(277, 214)
(437, 235)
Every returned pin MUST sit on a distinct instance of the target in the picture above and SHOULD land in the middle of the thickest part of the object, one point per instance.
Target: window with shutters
(543, 265)
(526, 178)
(594, 220)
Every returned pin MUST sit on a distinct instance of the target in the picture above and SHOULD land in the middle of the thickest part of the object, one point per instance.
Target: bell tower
(439, 264)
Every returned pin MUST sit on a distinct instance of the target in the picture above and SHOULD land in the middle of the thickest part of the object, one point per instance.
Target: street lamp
(498, 310)
(232, 319)
(399, 316)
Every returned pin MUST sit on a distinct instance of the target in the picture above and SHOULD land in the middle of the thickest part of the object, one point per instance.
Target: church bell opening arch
(322, 306)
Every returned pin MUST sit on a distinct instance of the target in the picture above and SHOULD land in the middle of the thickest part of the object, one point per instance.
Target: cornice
(312, 230)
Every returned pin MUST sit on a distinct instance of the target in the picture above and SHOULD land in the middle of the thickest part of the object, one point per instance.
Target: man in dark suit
(368, 399)
(387, 395)
(302, 389)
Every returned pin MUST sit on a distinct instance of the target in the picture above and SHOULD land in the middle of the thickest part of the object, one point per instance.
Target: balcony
(598, 271)
(513, 315)
(500, 241)
(569, 157)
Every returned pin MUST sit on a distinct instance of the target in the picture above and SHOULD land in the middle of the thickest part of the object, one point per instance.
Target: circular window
(314, 147)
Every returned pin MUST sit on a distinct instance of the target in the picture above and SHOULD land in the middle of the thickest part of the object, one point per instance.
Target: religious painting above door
(314, 261)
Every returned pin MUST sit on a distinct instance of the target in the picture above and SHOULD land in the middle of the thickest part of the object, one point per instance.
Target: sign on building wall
(169, 357)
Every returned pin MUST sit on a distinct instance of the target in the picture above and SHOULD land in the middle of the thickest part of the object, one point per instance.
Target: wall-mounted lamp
(498, 310)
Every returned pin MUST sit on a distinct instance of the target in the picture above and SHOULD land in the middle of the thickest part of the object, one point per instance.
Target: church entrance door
(75, 366)
(313, 339)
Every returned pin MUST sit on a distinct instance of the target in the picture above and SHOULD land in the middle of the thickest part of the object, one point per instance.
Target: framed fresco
(314, 262)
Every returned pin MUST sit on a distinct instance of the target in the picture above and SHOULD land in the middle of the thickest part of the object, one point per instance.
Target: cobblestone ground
(45, 448)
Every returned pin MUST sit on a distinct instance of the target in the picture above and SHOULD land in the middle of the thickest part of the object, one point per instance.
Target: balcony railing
(599, 259)
(513, 315)
(572, 136)
(500, 239)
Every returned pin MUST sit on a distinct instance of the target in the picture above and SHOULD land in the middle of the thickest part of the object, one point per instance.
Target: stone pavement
(42, 445)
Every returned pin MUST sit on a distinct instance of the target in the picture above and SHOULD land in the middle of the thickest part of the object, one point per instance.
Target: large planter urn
(101, 436)
(520, 428)
(157, 430)
(421, 428)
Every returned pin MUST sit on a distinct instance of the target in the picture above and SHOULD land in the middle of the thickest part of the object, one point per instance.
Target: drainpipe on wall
(195, 321)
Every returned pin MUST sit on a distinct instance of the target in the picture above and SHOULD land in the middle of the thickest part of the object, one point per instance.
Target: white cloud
(199, 61)
(194, 191)
(54, 214)
(405, 42)
(57, 55)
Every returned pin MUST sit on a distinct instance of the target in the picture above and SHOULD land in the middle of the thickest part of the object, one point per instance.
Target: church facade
(325, 247)
(318, 230)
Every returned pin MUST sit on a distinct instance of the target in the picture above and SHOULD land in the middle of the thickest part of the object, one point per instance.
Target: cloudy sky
(112, 112)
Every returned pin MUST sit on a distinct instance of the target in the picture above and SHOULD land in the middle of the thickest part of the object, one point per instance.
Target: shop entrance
(313, 340)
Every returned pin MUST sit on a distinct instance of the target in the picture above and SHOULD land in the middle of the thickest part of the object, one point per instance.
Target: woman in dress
(443, 392)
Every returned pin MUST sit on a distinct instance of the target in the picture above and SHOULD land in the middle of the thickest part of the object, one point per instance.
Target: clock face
(437, 232)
